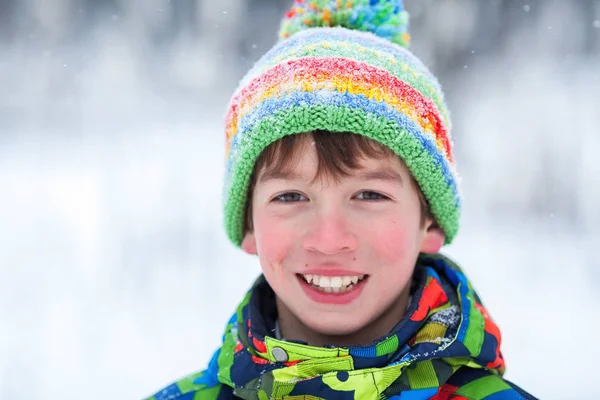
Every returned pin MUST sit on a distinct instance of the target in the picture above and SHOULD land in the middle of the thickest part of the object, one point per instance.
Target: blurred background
(115, 274)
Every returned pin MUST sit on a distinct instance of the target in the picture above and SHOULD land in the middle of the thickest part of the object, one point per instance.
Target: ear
(433, 238)
(249, 243)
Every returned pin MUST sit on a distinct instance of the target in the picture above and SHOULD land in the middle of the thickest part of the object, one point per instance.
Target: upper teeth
(332, 281)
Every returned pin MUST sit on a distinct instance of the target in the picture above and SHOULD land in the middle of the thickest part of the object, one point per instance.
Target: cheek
(393, 251)
(274, 241)
(394, 240)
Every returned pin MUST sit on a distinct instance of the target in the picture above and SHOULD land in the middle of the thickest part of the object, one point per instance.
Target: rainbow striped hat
(343, 66)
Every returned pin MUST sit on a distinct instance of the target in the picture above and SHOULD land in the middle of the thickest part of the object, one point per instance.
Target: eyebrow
(382, 175)
(273, 175)
(379, 174)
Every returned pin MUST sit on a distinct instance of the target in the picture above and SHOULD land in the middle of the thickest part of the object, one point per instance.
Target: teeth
(324, 282)
(335, 284)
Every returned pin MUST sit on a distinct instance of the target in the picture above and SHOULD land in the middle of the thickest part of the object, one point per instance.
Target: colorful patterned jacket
(446, 347)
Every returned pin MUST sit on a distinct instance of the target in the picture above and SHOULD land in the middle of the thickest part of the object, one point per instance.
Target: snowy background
(115, 275)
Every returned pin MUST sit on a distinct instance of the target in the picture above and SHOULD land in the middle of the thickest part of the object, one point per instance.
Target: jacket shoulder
(193, 387)
(480, 384)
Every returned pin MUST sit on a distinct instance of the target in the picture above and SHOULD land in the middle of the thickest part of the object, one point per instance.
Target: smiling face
(339, 252)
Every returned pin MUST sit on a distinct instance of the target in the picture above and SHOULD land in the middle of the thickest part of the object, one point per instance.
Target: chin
(334, 325)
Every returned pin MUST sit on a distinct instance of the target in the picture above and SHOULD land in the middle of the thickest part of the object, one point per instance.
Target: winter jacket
(445, 347)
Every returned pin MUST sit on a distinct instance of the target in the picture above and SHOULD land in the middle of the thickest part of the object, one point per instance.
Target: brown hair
(338, 154)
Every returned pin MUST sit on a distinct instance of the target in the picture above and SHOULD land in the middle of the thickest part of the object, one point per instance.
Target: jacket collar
(444, 328)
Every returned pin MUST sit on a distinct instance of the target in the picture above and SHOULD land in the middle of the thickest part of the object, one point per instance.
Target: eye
(371, 196)
(290, 197)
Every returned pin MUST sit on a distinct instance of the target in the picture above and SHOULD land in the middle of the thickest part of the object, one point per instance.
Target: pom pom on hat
(385, 18)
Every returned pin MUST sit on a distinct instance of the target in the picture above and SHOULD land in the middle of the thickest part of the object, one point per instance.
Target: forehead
(306, 159)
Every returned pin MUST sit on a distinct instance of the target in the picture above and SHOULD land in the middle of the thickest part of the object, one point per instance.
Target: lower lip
(332, 298)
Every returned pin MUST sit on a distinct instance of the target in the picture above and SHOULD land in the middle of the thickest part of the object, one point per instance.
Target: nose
(330, 233)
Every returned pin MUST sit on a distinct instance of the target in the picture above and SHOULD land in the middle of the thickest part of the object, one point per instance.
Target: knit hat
(343, 66)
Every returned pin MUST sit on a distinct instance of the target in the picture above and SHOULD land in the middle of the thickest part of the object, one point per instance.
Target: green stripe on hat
(301, 119)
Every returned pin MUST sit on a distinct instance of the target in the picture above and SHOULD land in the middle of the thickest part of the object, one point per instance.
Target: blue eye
(370, 196)
(290, 197)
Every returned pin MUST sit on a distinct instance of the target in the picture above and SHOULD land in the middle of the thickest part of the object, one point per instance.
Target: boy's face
(314, 239)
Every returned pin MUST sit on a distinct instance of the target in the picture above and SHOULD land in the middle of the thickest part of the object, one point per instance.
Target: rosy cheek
(274, 246)
(391, 240)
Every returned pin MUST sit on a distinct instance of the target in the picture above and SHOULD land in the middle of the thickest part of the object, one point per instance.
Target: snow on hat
(343, 66)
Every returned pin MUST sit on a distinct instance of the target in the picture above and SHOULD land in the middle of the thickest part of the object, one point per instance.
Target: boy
(340, 178)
